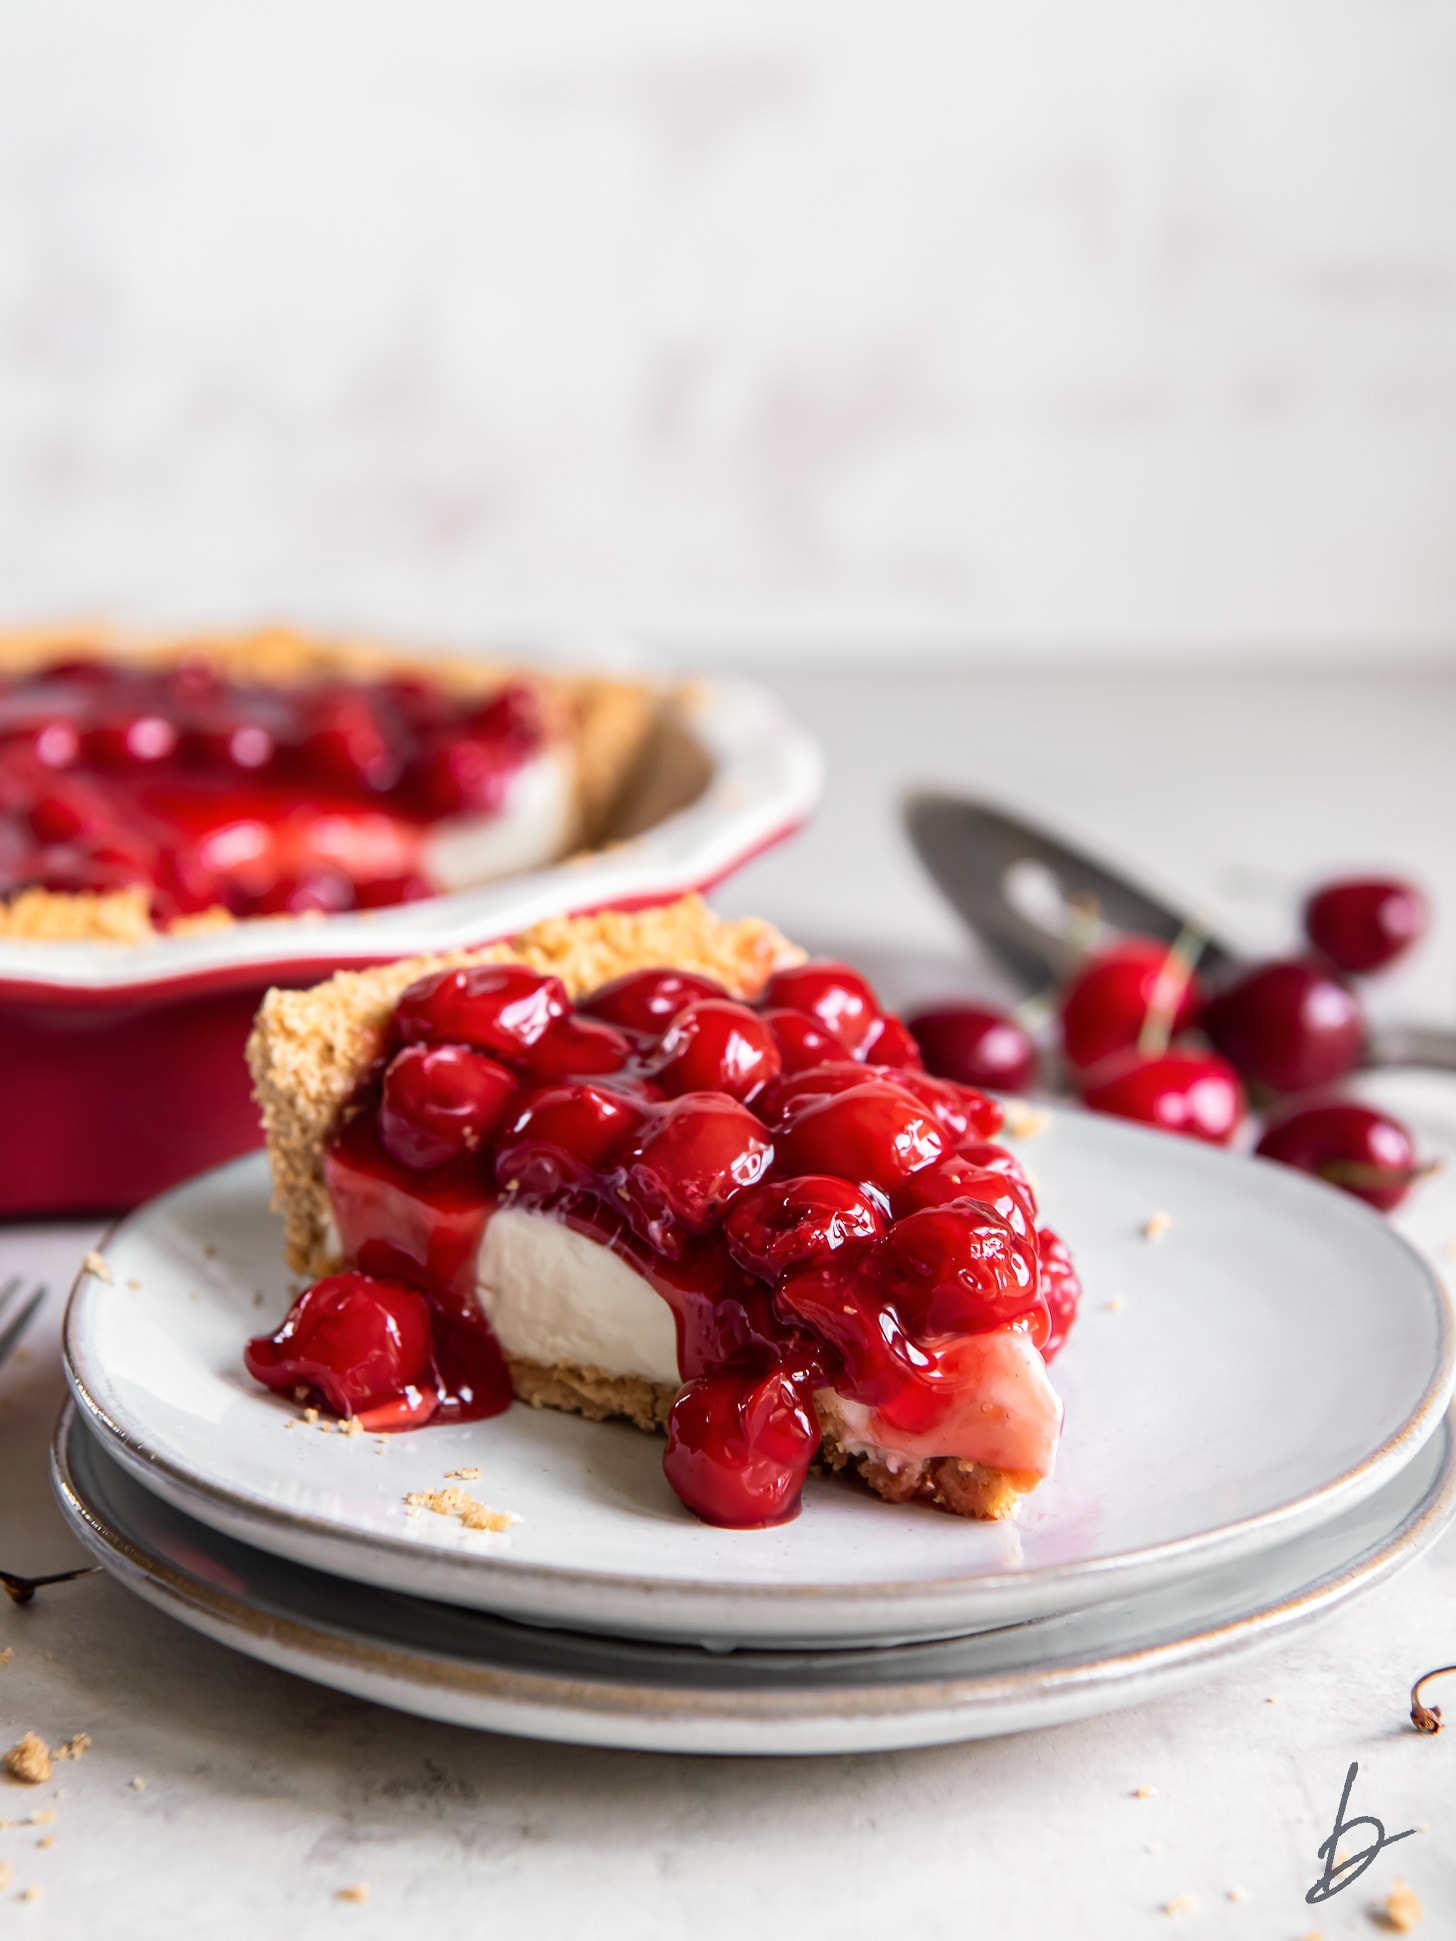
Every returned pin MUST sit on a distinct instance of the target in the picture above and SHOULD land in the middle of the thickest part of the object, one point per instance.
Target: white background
(960, 328)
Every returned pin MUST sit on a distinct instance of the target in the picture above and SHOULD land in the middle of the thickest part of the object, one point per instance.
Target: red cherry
(572, 1047)
(439, 1101)
(1061, 1286)
(791, 1095)
(837, 996)
(716, 1045)
(962, 1111)
(131, 741)
(346, 745)
(891, 1044)
(1192, 1093)
(647, 1001)
(323, 888)
(568, 1136)
(873, 1133)
(996, 1159)
(958, 1178)
(1366, 1152)
(356, 1340)
(739, 1447)
(464, 775)
(226, 743)
(802, 1041)
(961, 1269)
(694, 1157)
(783, 1224)
(500, 1008)
(1289, 1025)
(976, 1047)
(1106, 1004)
(1364, 923)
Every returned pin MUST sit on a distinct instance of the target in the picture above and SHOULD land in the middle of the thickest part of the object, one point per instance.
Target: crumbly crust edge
(601, 724)
(309, 1049)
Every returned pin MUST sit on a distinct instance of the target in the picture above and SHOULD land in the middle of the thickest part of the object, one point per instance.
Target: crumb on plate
(94, 1264)
(1156, 1225)
(6, 1655)
(76, 1747)
(137, 1784)
(358, 1893)
(1401, 1910)
(28, 1760)
(470, 1473)
(1112, 1306)
(1237, 1894)
(1146, 1792)
(1181, 1904)
(1023, 1120)
(464, 1507)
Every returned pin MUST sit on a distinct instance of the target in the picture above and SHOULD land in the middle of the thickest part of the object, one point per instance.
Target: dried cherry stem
(1427, 1718)
(1173, 980)
(20, 1590)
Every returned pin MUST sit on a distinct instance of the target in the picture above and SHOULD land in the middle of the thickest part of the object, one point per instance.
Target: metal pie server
(1022, 891)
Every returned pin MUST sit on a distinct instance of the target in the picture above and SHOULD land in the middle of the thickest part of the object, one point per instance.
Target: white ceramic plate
(1276, 1356)
(472, 1669)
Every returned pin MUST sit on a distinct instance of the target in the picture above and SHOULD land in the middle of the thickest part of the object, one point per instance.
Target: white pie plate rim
(715, 1705)
(727, 1603)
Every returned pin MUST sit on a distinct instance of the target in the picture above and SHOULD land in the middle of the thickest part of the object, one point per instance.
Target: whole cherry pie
(659, 1166)
(193, 783)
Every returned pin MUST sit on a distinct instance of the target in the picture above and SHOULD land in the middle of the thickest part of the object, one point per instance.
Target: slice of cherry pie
(658, 1166)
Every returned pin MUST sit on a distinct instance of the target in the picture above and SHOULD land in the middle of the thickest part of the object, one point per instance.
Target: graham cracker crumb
(310, 1416)
(1402, 1910)
(94, 1264)
(43, 1816)
(1181, 1904)
(135, 1286)
(46, 1841)
(1237, 1894)
(6, 1655)
(7, 1874)
(1024, 1121)
(358, 1893)
(352, 1426)
(1156, 1225)
(469, 1474)
(1272, 1699)
(137, 1785)
(75, 1747)
(28, 1760)
(1146, 1792)
(31, 1893)
(1112, 1306)
(464, 1507)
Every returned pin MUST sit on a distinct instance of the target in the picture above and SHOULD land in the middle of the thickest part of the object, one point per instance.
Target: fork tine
(16, 1328)
(8, 1291)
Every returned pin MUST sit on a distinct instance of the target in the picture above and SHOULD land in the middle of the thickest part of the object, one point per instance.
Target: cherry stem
(20, 1590)
(1082, 923)
(1427, 1718)
(1360, 1173)
(1173, 980)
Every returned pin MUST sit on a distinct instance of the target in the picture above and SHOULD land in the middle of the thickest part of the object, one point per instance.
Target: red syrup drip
(261, 800)
(850, 1227)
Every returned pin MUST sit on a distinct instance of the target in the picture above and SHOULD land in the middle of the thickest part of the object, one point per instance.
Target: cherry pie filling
(260, 800)
(816, 1211)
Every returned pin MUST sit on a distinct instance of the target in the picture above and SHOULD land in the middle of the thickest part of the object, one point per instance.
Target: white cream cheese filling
(554, 1295)
(532, 827)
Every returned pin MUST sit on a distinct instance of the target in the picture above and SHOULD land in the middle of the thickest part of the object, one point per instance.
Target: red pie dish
(184, 823)
(658, 1166)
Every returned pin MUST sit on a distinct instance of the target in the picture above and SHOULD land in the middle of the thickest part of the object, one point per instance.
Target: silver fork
(13, 1325)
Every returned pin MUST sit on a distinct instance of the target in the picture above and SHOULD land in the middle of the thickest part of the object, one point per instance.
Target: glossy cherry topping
(1364, 923)
(813, 1221)
(259, 800)
(356, 1342)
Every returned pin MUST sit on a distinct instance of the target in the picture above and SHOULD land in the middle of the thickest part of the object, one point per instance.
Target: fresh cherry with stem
(1366, 1152)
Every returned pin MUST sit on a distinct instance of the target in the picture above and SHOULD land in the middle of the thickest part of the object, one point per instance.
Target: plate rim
(1415, 1533)
(1226, 1540)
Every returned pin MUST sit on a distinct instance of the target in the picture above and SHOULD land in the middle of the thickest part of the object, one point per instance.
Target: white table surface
(263, 1796)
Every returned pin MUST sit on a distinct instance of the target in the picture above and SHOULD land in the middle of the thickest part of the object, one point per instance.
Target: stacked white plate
(1255, 1434)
